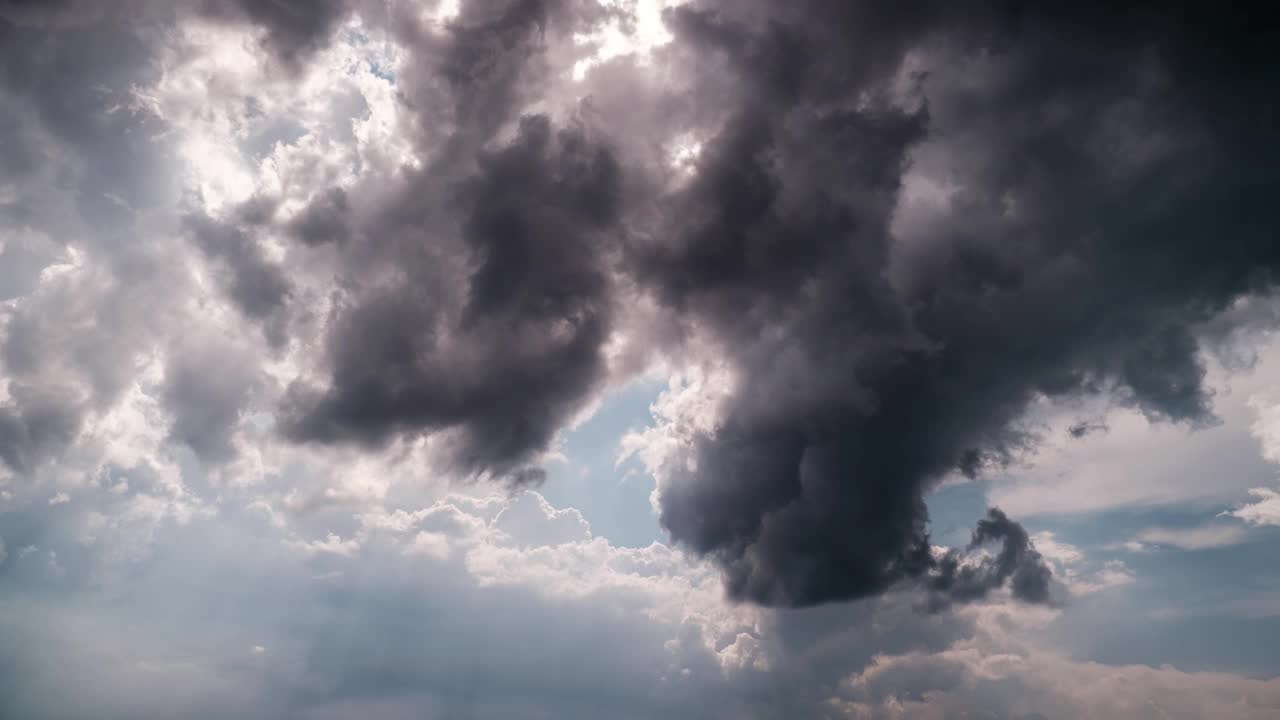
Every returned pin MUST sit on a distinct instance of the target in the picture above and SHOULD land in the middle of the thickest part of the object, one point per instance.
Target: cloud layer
(274, 274)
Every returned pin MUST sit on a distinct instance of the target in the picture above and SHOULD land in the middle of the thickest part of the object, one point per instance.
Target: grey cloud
(1017, 564)
(1039, 685)
(420, 650)
(1084, 428)
(207, 386)
(1111, 196)
(35, 424)
(257, 286)
(152, 636)
(476, 294)
(1101, 215)
(21, 260)
(72, 70)
(876, 353)
(509, 359)
(325, 219)
(81, 164)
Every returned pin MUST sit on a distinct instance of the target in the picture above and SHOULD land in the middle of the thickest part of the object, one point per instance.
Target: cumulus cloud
(461, 587)
(272, 273)
(1018, 563)
(418, 598)
(469, 289)
(873, 362)
(1030, 684)
(509, 358)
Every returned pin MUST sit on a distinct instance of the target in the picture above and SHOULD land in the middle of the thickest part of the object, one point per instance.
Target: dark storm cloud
(487, 61)
(1112, 194)
(1109, 173)
(520, 349)
(1017, 563)
(499, 301)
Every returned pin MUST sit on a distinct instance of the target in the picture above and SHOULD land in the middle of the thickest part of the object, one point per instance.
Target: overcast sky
(724, 359)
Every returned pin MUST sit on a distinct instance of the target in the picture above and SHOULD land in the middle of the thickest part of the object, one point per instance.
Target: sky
(628, 359)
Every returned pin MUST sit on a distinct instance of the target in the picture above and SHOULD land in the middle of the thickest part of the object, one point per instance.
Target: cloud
(872, 360)
(208, 385)
(500, 598)
(530, 516)
(445, 241)
(324, 220)
(276, 273)
(92, 175)
(1138, 463)
(1205, 537)
(428, 543)
(1027, 684)
(1071, 568)
(502, 587)
(1265, 510)
(35, 426)
(509, 359)
(1018, 563)
(291, 28)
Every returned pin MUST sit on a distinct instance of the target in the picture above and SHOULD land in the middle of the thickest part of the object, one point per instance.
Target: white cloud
(690, 407)
(1135, 462)
(1264, 510)
(1266, 426)
(640, 37)
(531, 520)
(1070, 567)
(1204, 537)
(1055, 550)
(432, 544)
(477, 580)
(456, 583)
(331, 544)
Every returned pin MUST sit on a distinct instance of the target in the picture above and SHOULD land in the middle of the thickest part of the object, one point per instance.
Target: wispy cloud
(1264, 510)
(1204, 537)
